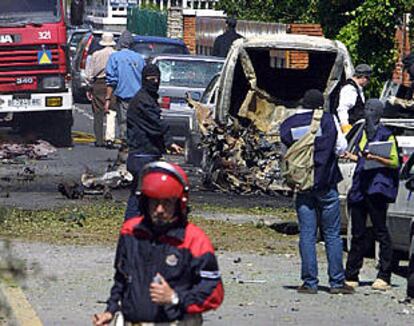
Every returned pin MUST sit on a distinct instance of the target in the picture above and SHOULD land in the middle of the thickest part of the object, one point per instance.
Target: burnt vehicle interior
(284, 74)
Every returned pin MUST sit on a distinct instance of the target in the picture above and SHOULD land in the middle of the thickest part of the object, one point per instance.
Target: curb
(22, 312)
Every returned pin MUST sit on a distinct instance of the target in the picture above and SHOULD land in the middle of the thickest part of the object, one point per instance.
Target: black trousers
(376, 207)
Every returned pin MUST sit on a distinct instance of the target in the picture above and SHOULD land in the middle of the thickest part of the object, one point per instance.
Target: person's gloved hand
(346, 128)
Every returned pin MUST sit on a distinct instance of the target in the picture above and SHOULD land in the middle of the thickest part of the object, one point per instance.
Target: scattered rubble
(90, 184)
(119, 177)
(14, 153)
(244, 155)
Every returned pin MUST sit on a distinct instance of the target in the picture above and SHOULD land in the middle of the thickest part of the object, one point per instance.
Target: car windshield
(148, 49)
(29, 11)
(187, 73)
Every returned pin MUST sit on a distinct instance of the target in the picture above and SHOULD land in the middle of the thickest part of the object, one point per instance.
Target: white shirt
(347, 100)
(341, 142)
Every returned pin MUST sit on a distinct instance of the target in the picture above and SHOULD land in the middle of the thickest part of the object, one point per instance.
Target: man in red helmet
(166, 270)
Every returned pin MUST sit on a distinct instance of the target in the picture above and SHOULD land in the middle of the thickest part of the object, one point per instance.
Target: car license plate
(24, 102)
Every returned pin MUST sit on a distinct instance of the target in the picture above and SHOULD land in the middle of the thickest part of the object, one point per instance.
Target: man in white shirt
(352, 99)
(95, 74)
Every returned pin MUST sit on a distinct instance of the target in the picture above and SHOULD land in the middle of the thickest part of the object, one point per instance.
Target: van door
(347, 168)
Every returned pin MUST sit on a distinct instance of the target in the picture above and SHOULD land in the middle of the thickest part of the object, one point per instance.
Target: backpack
(297, 164)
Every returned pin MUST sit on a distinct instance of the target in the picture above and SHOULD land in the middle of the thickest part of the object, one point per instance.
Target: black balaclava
(373, 111)
(125, 40)
(313, 99)
(151, 86)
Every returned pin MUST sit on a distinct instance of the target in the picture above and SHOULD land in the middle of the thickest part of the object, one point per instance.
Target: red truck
(35, 94)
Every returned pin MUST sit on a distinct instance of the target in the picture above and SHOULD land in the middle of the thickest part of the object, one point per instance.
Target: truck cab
(34, 69)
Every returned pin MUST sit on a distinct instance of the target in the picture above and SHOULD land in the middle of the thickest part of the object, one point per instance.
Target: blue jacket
(380, 181)
(326, 172)
(123, 73)
(184, 256)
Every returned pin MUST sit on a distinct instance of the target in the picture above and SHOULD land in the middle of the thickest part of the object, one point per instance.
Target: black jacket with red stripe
(184, 256)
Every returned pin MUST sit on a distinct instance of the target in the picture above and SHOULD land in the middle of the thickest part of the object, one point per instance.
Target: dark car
(180, 75)
(74, 37)
(145, 45)
(88, 44)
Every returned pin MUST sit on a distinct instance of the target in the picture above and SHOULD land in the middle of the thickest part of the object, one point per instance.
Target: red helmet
(163, 180)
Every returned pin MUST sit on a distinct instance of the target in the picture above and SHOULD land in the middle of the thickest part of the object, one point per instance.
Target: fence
(208, 28)
(147, 22)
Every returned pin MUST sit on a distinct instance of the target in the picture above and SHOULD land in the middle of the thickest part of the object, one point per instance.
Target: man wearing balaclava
(374, 186)
(148, 135)
(123, 78)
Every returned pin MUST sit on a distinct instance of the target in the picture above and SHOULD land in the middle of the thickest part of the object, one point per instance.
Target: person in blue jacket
(320, 205)
(371, 192)
(166, 272)
(123, 78)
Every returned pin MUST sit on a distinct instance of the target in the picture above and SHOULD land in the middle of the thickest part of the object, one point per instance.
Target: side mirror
(410, 184)
(405, 171)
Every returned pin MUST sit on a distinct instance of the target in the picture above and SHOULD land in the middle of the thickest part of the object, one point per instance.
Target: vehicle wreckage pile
(244, 155)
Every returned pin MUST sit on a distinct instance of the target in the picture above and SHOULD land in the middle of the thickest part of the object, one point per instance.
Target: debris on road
(39, 150)
(71, 189)
(119, 177)
(93, 185)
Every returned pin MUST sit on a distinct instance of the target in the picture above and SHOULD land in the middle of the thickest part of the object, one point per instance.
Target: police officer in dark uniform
(224, 41)
(373, 188)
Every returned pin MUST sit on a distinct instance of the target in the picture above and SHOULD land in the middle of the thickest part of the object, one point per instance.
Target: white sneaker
(380, 285)
(353, 284)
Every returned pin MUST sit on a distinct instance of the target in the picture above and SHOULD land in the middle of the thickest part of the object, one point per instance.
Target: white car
(400, 216)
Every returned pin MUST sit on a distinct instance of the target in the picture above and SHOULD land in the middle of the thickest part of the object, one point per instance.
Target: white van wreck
(262, 82)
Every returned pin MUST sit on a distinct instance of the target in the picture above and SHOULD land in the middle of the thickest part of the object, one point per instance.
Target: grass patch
(99, 223)
(283, 212)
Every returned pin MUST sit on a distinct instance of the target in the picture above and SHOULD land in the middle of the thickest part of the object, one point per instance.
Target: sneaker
(344, 289)
(380, 285)
(306, 289)
(353, 284)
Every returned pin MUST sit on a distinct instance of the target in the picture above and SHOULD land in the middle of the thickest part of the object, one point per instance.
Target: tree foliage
(369, 37)
(367, 27)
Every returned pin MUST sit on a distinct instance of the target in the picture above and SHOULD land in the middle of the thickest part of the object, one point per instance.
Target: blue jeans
(135, 163)
(323, 207)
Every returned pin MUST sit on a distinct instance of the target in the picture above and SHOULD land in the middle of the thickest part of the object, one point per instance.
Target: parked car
(182, 75)
(74, 37)
(88, 44)
(149, 46)
(145, 45)
(400, 214)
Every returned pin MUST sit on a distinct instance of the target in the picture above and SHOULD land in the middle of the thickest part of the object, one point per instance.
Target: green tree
(367, 27)
(369, 37)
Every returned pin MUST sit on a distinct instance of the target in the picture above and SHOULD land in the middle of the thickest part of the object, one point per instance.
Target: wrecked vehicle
(262, 82)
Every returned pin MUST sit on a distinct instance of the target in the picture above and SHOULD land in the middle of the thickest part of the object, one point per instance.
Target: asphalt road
(69, 164)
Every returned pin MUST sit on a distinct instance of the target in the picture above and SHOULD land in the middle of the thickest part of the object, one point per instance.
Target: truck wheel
(59, 132)
(192, 154)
